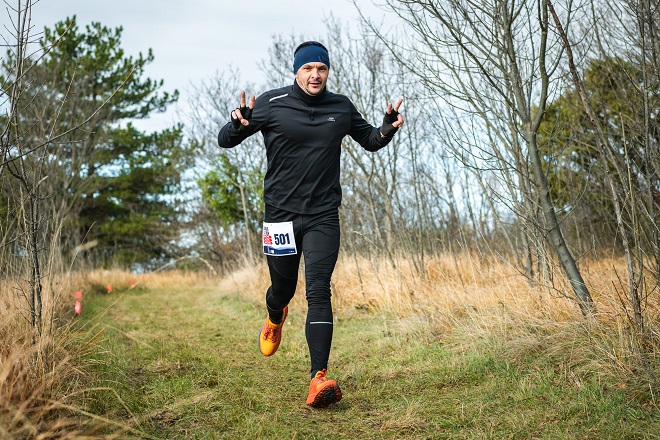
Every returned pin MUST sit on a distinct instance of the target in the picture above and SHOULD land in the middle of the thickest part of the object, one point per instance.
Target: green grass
(183, 363)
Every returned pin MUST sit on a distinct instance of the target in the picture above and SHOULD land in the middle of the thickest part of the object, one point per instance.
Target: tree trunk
(555, 234)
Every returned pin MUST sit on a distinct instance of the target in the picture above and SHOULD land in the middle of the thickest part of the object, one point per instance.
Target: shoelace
(271, 333)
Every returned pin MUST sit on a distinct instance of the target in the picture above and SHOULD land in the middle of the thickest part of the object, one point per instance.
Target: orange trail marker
(109, 288)
(132, 283)
(78, 307)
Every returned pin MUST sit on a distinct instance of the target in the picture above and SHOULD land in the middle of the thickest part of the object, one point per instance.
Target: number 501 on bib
(278, 239)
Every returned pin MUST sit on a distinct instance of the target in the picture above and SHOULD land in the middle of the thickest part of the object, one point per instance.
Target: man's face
(312, 77)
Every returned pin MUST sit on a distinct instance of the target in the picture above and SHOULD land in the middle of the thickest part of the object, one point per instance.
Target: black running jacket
(303, 136)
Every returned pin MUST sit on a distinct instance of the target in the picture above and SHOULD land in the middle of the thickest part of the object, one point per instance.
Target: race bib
(278, 239)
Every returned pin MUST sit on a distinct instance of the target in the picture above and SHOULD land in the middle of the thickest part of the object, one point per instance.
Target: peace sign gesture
(392, 120)
(240, 117)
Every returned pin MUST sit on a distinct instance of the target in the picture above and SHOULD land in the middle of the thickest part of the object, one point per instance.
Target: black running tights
(317, 238)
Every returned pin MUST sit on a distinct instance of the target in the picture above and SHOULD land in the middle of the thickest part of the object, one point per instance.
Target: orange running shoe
(271, 335)
(323, 391)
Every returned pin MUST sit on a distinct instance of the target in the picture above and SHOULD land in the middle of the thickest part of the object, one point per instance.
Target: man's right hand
(240, 117)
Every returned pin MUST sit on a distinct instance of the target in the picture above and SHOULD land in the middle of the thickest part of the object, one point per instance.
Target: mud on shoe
(271, 335)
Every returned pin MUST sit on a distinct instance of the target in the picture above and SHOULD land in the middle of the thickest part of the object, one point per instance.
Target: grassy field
(178, 359)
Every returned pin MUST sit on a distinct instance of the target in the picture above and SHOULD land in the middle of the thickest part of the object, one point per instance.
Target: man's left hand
(392, 120)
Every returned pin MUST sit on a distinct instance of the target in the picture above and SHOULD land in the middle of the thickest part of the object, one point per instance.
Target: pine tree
(100, 180)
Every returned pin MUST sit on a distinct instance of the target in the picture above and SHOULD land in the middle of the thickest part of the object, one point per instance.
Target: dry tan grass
(43, 375)
(43, 372)
(483, 304)
(451, 288)
(468, 303)
(37, 372)
(121, 280)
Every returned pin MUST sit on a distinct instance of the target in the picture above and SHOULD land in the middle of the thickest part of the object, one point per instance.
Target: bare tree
(632, 177)
(24, 233)
(42, 167)
(494, 61)
(392, 196)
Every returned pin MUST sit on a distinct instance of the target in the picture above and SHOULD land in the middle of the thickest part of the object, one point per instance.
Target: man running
(303, 126)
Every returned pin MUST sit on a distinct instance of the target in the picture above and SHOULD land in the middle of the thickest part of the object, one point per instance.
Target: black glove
(387, 129)
(236, 123)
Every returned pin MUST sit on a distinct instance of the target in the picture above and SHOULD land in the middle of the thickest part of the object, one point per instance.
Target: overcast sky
(193, 39)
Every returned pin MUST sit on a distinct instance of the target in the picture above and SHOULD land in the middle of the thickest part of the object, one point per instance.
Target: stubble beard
(313, 92)
(307, 89)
